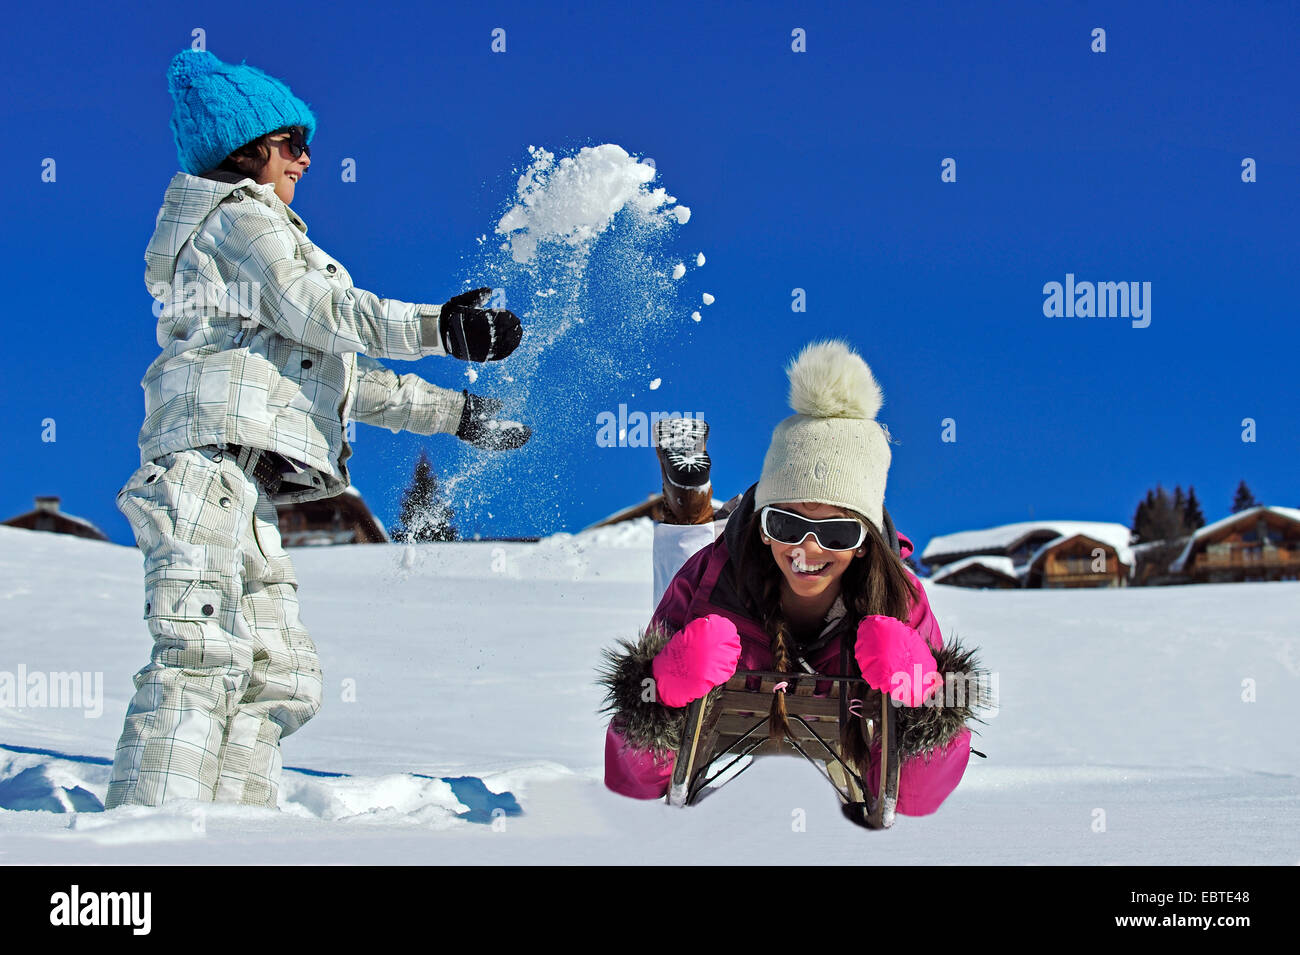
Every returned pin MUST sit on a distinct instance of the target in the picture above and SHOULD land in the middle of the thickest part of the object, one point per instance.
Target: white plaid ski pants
(232, 669)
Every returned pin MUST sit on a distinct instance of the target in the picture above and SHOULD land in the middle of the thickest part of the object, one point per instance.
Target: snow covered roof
(1123, 552)
(378, 524)
(356, 502)
(82, 522)
(54, 512)
(997, 540)
(629, 513)
(1000, 565)
(1291, 513)
(1142, 548)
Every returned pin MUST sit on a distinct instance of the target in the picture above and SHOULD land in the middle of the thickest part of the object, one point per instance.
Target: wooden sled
(736, 725)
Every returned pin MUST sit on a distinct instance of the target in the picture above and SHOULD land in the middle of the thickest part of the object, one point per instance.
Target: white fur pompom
(830, 380)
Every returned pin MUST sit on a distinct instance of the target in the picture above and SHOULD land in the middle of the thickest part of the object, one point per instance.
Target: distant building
(1037, 554)
(652, 507)
(342, 519)
(980, 572)
(1082, 560)
(48, 517)
(1259, 543)
(1153, 563)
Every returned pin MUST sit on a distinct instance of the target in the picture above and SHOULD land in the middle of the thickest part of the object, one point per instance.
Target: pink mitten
(895, 658)
(701, 656)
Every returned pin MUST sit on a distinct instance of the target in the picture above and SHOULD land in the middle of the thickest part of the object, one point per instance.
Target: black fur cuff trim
(630, 696)
(966, 692)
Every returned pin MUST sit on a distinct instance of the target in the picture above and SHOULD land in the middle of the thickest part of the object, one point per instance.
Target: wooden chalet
(342, 519)
(1153, 560)
(1078, 560)
(652, 507)
(1039, 554)
(1259, 543)
(48, 517)
(979, 572)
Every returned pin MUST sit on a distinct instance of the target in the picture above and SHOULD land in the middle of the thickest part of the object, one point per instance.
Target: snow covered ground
(1123, 736)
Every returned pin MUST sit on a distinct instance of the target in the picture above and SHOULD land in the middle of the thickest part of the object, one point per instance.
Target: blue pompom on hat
(222, 106)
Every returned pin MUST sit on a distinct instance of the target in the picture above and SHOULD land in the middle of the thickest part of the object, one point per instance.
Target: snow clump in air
(574, 200)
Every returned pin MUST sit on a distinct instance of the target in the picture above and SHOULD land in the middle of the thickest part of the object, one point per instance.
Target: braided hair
(876, 583)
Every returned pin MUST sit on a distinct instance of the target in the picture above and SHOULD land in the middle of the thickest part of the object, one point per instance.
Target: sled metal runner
(734, 722)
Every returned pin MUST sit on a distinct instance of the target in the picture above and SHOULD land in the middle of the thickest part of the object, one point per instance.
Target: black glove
(473, 333)
(480, 427)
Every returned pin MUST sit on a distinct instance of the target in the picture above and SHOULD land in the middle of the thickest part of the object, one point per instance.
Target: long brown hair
(876, 583)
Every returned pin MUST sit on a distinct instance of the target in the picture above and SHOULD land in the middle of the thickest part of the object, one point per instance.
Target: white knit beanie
(832, 450)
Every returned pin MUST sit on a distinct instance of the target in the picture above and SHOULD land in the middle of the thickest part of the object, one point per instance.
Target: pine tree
(425, 515)
(1158, 519)
(1140, 517)
(1192, 516)
(1244, 498)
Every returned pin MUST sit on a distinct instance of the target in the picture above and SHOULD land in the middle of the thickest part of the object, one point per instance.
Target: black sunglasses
(832, 533)
(297, 144)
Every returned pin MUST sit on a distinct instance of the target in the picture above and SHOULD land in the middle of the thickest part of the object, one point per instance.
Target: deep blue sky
(817, 170)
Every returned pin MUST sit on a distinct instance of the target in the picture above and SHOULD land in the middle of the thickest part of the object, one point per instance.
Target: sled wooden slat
(735, 722)
(685, 771)
(770, 678)
(881, 814)
(742, 701)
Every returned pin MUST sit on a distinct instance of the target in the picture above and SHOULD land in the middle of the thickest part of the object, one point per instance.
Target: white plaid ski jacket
(266, 342)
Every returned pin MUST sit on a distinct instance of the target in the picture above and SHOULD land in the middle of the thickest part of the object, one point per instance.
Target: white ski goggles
(832, 533)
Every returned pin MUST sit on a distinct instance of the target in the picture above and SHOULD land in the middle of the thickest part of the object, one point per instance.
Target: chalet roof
(48, 507)
(378, 524)
(1004, 538)
(635, 511)
(349, 502)
(993, 562)
(622, 514)
(1290, 513)
(1123, 554)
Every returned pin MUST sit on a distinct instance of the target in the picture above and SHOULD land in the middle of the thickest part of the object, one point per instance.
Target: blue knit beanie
(220, 107)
